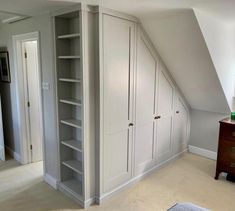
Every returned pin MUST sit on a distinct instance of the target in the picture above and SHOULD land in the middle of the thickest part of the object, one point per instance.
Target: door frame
(25, 155)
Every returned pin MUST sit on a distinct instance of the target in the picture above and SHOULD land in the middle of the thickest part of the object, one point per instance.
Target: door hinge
(31, 147)
(28, 104)
(25, 55)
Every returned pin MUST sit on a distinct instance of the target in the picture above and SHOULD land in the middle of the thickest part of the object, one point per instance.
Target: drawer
(227, 150)
(227, 166)
(227, 132)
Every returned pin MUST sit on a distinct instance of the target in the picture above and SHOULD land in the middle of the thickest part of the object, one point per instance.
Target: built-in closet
(120, 113)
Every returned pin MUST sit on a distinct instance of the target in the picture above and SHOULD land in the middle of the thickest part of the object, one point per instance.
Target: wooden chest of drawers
(226, 148)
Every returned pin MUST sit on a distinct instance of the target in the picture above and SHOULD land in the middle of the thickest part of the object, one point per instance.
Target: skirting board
(13, 154)
(50, 181)
(202, 152)
(106, 196)
(75, 197)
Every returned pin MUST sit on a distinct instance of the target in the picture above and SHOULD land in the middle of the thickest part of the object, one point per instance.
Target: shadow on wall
(5, 92)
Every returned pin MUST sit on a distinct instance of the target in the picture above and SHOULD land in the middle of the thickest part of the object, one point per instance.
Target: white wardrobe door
(145, 108)
(164, 123)
(180, 127)
(118, 73)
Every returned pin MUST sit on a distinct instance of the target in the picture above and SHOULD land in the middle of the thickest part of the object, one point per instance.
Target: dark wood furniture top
(226, 148)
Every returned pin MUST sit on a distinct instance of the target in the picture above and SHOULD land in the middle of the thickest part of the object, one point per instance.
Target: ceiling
(221, 8)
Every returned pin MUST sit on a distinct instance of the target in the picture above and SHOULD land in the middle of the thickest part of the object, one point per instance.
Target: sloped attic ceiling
(178, 38)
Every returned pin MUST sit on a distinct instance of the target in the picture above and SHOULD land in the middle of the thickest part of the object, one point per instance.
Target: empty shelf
(73, 80)
(74, 144)
(73, 185)
(68, 36)
(69, 57)
(72, 122)
(71, 101)
(74, 165)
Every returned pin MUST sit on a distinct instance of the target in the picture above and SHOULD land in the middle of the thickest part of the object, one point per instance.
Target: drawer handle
(232, 165)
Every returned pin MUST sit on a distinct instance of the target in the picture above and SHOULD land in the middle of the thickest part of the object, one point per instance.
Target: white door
(33, 97)
(180, 127)
(2, 146)
(117, 105)
(145, 108)
(164, 121)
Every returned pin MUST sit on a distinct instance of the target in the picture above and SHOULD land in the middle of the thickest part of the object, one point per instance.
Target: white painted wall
(178, 39)
(205, 129)
(220, 39)
(8, 91)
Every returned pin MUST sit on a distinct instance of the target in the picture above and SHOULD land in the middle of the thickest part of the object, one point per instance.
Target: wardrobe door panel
(180, 127)
(118, 42)
(145, 107)
(144, 144)
(164, 123)
(116, 158)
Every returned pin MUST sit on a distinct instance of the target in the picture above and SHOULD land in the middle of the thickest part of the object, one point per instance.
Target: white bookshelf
(75, 50)
(70, 97)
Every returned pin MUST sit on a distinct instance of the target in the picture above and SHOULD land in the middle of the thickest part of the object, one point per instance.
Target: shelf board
(73, 186)
(72, 122)
(74, 165)
(71, 101)
(69, 36)
(74, 144)
(73, 80)
(69, 57)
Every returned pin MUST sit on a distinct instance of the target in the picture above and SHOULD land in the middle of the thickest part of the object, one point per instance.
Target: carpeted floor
(188, 179)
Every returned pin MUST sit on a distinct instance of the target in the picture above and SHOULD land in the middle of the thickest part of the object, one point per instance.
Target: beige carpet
(188, 179)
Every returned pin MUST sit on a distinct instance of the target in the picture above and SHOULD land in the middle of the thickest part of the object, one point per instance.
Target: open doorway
(29, 97)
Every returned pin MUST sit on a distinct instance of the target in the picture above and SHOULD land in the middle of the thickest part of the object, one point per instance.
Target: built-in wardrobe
(120, 113)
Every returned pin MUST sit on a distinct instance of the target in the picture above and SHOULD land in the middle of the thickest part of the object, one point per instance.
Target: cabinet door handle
(131, 125)
(233, 149)
(157, 117)
(177, 112)
(233, 133)
(232, 165)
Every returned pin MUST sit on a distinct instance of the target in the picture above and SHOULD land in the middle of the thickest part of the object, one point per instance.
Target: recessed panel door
(145, 107)
(33, 96)
(118, 42)
(180, 127)
(164, 120)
